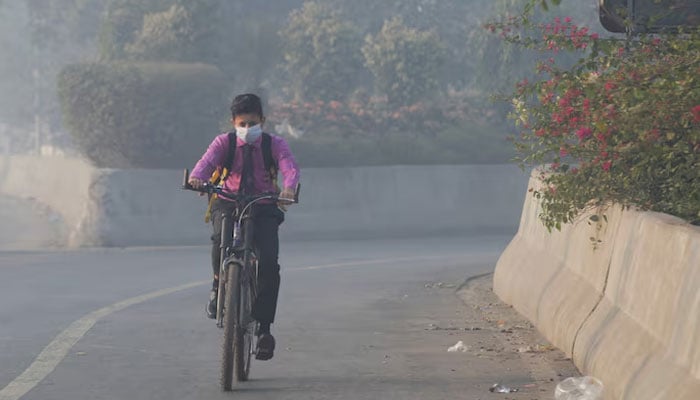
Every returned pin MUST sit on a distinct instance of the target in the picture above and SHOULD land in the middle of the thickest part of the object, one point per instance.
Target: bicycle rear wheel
(231, 312)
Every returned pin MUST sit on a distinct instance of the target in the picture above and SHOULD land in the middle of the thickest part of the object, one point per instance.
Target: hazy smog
(125, 84)
(349, 199)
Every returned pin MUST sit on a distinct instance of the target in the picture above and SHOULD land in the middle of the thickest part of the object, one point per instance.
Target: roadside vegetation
(348, 83)
(145, 84)
(619, 125)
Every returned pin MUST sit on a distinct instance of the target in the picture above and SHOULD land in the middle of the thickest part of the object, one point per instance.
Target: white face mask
(249, 135)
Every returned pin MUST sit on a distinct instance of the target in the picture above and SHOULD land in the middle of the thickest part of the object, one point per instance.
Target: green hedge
(146, 115)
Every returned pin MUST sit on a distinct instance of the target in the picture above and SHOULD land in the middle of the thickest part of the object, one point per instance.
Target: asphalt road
(352, 323)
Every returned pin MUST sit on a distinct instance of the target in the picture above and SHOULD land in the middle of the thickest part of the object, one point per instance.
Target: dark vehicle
(648, 16)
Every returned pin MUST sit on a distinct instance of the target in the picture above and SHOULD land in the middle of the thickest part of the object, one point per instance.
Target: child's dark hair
(247, 103)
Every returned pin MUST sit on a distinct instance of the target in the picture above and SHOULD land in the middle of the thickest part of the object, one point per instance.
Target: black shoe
(266, 347)
(211, 306)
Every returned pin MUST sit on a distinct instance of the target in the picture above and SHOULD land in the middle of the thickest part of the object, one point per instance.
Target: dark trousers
(267, 219)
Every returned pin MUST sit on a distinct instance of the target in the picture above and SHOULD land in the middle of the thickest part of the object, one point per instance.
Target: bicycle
(237, 281)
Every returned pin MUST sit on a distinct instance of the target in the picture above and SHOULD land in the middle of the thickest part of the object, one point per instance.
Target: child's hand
(196, 183)
(286, 197)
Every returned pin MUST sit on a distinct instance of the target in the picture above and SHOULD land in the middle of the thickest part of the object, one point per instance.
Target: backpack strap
(270, 163)
(230, 156)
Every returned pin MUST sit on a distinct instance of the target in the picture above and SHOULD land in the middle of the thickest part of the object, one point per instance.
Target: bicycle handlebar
(210, 189)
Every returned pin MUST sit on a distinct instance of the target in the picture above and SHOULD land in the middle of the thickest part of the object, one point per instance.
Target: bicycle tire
(226, 242)
(243, 347)
(230, 325)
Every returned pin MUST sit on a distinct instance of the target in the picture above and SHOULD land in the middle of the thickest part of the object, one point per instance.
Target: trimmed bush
(148, 115)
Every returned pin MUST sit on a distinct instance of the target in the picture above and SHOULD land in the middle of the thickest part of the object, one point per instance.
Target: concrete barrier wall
(62, 184)
(103, 207)
(408, 201)
(621, 296)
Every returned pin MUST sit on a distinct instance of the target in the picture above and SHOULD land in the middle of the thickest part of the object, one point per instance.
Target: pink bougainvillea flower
(584, 133)
(606, 165)
(586, 105)
(696, 113)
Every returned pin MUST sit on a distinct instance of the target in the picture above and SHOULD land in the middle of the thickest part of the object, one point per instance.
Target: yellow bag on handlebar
(217, 178)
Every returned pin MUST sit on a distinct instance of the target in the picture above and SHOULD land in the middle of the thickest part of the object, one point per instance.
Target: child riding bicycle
(255, 159)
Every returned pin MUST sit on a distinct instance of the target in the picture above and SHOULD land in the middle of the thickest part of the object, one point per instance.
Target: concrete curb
(620, 295)
(547, 368)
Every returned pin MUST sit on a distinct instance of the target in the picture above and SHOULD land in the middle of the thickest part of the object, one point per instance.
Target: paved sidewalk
(499, 339)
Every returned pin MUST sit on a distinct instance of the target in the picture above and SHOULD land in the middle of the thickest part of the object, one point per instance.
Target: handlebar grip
(296, 193)
(186, 180)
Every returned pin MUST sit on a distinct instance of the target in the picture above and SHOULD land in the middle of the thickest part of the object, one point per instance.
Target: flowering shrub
(622, 125)
(458, 128)
(375, 116)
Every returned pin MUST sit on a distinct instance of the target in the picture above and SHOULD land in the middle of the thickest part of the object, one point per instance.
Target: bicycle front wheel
(245, 334)
(231, 312)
